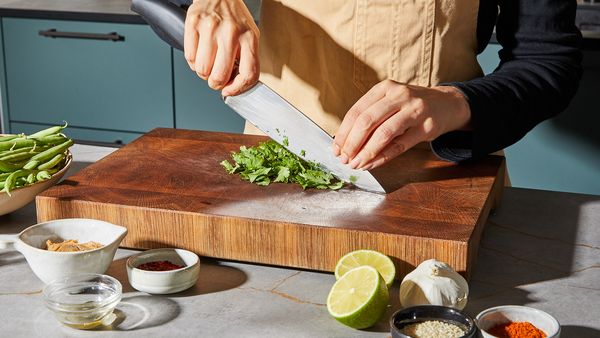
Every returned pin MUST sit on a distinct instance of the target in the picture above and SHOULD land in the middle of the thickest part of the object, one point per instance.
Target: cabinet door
(4, 128)
(122, 85)
(489, 58)
(196, 105)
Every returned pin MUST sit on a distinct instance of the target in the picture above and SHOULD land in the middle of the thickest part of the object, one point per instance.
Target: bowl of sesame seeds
(432, 321)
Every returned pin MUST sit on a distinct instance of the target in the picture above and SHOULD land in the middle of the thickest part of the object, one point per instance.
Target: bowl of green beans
(30, 164)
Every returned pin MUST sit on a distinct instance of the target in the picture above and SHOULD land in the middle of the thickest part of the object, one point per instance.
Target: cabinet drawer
(83, 78)
(81, 134)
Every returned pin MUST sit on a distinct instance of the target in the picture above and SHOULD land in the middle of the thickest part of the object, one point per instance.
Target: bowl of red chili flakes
(510, 321)
(163, 271)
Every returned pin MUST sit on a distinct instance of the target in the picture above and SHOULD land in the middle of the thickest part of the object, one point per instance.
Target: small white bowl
(21, 196)
(52, 265)
(516, 313)
(164, 282)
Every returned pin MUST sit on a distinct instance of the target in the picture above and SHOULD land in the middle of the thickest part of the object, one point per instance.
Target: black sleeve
(539, 71)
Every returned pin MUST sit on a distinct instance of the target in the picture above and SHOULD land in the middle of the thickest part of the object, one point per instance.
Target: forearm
(537, 77)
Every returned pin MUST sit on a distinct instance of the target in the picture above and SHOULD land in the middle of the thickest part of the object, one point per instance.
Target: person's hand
(392, 118)
(217, 33)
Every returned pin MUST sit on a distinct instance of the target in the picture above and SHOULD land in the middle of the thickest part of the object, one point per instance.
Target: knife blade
(261, 106)
(277, 118)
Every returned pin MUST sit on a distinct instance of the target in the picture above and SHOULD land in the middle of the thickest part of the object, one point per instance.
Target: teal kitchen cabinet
(121, 87)
(4, 102)
(563, 153)
(196, 105)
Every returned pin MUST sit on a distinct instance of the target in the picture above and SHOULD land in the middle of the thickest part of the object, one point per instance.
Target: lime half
(359, 298)
(379, 261)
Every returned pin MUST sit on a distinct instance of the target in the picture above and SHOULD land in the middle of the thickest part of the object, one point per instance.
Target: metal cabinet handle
(53, 33)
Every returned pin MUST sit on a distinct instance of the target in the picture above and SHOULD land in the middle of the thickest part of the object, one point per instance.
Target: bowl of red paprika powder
(515, 321)
(163, 271)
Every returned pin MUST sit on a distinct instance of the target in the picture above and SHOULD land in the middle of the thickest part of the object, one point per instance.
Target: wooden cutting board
(168, 189)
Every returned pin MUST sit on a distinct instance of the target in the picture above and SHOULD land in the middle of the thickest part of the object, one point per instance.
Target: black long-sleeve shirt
(539, 71)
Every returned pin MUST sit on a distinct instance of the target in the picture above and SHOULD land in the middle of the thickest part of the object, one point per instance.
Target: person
(386, 75)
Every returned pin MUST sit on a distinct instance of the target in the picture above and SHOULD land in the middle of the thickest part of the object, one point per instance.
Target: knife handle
(166, 19)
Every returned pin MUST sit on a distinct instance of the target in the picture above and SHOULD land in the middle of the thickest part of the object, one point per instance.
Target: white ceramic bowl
(21, 196)
(52, 265)
(516, 313)
(164, 282)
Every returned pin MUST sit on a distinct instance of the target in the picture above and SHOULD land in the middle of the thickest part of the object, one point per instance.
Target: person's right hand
(217, 33)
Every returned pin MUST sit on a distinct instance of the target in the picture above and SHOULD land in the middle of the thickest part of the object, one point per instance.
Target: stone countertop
(82, 10)
(117, 11)
(540, 249)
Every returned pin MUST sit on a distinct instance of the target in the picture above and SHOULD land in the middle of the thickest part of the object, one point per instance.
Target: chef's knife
(261, 106)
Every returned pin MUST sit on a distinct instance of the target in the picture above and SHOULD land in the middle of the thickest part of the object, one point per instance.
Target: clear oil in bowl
(84, 304)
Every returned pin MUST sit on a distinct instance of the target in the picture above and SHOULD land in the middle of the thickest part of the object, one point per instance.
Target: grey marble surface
(540, 249)
(116, 11)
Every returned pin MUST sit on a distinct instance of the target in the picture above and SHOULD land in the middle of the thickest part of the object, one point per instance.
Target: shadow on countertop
(579, 332)
(534, 238)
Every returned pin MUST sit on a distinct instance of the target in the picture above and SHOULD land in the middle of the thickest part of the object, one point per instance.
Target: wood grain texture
(169, 190)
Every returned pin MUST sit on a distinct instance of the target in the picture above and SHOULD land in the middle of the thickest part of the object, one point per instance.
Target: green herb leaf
(230, 169)
(283, 175)
(270, 162)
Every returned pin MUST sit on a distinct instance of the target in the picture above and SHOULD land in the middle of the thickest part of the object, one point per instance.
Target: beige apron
(323, 55)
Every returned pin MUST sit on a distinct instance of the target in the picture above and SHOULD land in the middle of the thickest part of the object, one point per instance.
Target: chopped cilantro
(302, 153)
(353, 179)
(270, 162)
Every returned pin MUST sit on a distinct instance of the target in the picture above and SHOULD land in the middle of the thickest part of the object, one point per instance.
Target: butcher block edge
(259, 241)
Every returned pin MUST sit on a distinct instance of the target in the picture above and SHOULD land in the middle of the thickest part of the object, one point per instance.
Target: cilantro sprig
(270, 162)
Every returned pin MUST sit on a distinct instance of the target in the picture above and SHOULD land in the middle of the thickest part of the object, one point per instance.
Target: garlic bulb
(436, 283)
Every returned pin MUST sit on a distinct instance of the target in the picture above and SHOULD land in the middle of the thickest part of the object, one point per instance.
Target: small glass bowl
(83, 301)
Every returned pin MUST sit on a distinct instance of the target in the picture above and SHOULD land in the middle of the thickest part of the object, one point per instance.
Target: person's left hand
(393, 117)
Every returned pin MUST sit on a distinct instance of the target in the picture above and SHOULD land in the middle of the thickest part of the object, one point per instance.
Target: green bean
(43, 175)
(32, 164)
(18, 157)
(52, 139)
(8, 137)
(16, 151)
(49, 131)
(31, 178)
(16, 144)
(8, 167)
(50, 153)
(11, 180)
(35, 149)
(54, 161)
